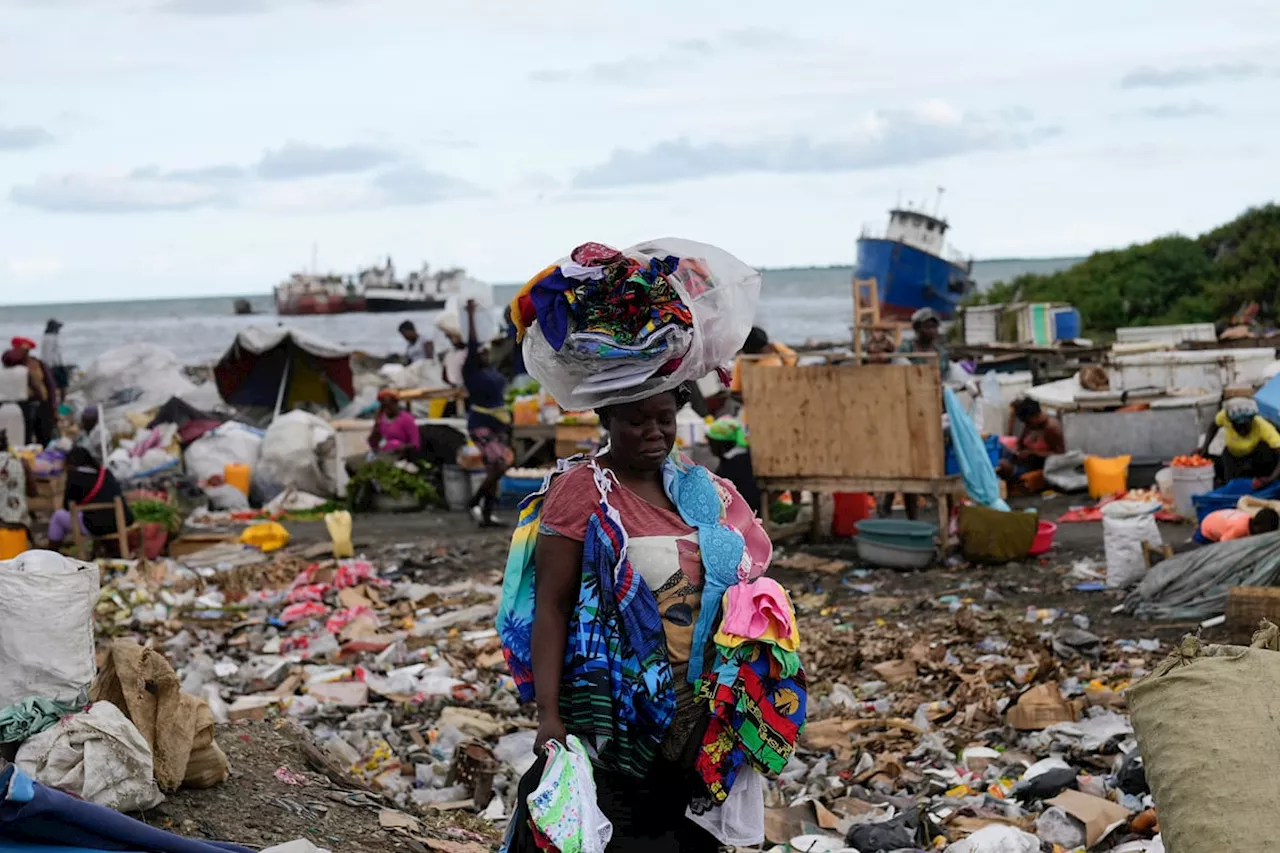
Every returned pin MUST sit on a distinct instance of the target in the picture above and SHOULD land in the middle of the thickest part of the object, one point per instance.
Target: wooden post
(122, 531)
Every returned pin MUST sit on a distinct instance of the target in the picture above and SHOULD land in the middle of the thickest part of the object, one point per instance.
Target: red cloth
(573, 497)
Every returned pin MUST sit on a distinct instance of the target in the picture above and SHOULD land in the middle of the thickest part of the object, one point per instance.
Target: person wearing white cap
(1252, 443)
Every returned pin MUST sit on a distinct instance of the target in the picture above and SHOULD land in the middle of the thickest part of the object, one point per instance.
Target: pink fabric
(400, 431)
(750, 608)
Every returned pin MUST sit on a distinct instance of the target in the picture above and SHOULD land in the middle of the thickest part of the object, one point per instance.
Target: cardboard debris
(895, 671)
(810, 563)
(392, 819)
(1099, 816)
(1040, 707)
(349, 694)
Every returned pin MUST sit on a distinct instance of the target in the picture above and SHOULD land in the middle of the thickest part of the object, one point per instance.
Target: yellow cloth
(789, 643)
(782, 356)
(1242, 444)
(267, 536)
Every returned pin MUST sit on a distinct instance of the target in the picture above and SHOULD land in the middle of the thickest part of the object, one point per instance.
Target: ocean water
(797, 305)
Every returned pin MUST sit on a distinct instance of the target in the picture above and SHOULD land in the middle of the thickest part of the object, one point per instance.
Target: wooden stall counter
(850, 428)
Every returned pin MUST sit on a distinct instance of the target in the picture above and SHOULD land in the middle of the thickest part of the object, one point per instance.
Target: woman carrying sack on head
(624, 574)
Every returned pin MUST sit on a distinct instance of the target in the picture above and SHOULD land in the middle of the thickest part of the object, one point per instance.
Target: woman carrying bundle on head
(634, 611)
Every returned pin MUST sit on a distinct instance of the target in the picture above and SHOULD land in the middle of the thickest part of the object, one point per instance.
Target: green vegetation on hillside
(1169, 280)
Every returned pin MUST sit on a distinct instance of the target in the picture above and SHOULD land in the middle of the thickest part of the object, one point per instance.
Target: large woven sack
(1206, 727)
(46, 627)
(179, 728)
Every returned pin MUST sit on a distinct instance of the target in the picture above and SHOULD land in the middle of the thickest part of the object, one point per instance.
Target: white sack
(46, 627)
(99, 756)
(134, 378)
(297, 452)
(1125, 526)
(230, 443)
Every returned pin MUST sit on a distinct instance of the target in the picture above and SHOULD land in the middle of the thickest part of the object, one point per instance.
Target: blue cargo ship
(909, 268)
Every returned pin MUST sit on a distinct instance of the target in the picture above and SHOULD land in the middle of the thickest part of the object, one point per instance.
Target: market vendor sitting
(395, 431)
(1223, 525)
(88, 482)
(1252, 443)
(728, 441)
(1041, 438)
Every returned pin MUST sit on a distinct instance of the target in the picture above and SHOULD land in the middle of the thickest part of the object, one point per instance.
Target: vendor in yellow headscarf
(728, 440)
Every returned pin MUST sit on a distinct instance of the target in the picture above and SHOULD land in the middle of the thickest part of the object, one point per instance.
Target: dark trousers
(1259, 463)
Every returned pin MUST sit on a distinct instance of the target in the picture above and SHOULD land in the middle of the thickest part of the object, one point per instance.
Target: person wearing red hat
(40, 406)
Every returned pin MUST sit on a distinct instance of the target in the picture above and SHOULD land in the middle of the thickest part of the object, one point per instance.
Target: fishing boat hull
(909, 278)
(318, 303)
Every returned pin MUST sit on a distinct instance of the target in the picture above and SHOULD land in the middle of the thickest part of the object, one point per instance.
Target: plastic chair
(122, 530)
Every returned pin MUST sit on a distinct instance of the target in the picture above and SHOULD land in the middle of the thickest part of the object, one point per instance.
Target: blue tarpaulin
(979, 474)
(37, 818)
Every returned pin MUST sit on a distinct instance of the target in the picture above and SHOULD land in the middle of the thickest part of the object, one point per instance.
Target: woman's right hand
(550, 727)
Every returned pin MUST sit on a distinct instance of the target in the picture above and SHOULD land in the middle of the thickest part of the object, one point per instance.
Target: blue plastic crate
(1230, 494)
(512, 490)
(951, 464)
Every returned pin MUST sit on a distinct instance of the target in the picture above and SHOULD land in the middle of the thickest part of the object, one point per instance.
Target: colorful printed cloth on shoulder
(617, 689)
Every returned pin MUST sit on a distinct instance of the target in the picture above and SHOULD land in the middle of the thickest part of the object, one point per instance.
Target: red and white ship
(305, 293)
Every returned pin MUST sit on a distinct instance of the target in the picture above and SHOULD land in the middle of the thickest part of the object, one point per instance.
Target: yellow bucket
(435, 407)
(237, 475)
(1107, 476)
(13, 541)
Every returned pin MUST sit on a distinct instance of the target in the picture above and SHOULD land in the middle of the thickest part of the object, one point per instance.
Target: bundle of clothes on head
(614, 319)
(622, 313)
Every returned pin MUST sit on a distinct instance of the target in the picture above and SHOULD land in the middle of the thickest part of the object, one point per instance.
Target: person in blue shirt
(488, 421)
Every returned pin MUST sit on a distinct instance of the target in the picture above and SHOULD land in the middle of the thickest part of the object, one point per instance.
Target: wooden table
(945, 490)
(529, 440)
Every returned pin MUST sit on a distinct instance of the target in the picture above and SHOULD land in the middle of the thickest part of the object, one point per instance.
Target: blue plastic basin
(898, 533)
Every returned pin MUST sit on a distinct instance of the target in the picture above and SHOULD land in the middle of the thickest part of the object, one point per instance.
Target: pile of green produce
(146, 510)
(387, 478)
(527, 388)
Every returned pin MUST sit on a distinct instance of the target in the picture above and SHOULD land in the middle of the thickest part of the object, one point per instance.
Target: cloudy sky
(167, 147)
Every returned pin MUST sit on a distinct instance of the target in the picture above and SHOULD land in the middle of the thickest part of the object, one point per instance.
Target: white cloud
(891, 138)
(130, 193)
(304, 160)
(18, 138)
(1190, 75)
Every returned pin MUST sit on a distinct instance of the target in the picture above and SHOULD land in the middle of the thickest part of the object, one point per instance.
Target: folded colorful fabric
(752, 610)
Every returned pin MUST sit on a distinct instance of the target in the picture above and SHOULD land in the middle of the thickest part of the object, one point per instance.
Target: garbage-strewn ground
(907, 671)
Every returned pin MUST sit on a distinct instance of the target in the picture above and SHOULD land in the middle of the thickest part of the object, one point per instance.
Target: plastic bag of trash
(1125, 526)
(1203, 717)
(134, 378)
(297, 450)
(739, 820)
(563, 806)
(99, 756)
(46, 627)
(997, 839)
(231, 443)
(1065, 472)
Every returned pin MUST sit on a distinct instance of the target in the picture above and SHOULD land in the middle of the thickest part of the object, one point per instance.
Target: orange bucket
(13, 541)
(238, 475)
